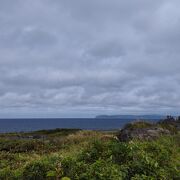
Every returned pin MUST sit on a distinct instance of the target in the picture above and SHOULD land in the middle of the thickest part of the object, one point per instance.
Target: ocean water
(18, 125)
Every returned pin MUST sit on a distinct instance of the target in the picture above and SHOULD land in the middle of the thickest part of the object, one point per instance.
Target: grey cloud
(30, 37)
(107, 50)
(34, 38)
(89, 57)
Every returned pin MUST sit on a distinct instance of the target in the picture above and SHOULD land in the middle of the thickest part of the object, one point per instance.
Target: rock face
(141, 133)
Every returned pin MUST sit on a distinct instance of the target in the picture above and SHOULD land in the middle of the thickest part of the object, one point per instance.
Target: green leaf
(51, 174)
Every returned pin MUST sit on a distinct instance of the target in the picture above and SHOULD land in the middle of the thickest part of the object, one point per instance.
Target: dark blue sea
(19, 125)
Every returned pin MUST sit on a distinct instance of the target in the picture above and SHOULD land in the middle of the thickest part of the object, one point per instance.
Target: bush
(96, 150)
(6, 173)
(102, 170)
(35, 171)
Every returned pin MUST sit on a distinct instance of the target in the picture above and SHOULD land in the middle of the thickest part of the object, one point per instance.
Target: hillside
(84, 155)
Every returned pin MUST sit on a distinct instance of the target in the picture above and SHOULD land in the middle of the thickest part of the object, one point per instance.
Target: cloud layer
(82, 58)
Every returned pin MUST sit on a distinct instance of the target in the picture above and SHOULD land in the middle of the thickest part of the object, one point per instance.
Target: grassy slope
(87, 155)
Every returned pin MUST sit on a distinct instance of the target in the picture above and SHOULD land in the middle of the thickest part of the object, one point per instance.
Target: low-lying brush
(84, 155)
(138, 125)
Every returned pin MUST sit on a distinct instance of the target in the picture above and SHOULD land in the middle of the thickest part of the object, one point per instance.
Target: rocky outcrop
(145, 130)
(142, 133)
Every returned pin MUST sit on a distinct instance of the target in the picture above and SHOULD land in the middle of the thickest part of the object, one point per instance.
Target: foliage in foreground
(96, 159)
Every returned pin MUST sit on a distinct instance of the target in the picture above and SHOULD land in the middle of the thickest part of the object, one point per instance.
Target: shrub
(102, 170)
(96, 150)
(6, 173)
(35, 171)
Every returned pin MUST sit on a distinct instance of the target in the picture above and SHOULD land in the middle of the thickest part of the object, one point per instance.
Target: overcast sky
(81, 58)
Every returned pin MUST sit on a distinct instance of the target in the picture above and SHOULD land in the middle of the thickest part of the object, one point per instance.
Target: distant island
(144, 117)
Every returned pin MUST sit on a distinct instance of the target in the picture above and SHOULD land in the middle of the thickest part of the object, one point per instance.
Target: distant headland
(145, 117)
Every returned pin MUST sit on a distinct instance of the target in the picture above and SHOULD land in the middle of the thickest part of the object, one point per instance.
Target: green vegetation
(138, 125)
(87, 155)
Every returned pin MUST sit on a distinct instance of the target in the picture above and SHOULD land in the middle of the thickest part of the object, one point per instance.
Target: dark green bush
(97, 149)
(35, 171)
(73, 168)
(102, 170)
(6, 173)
